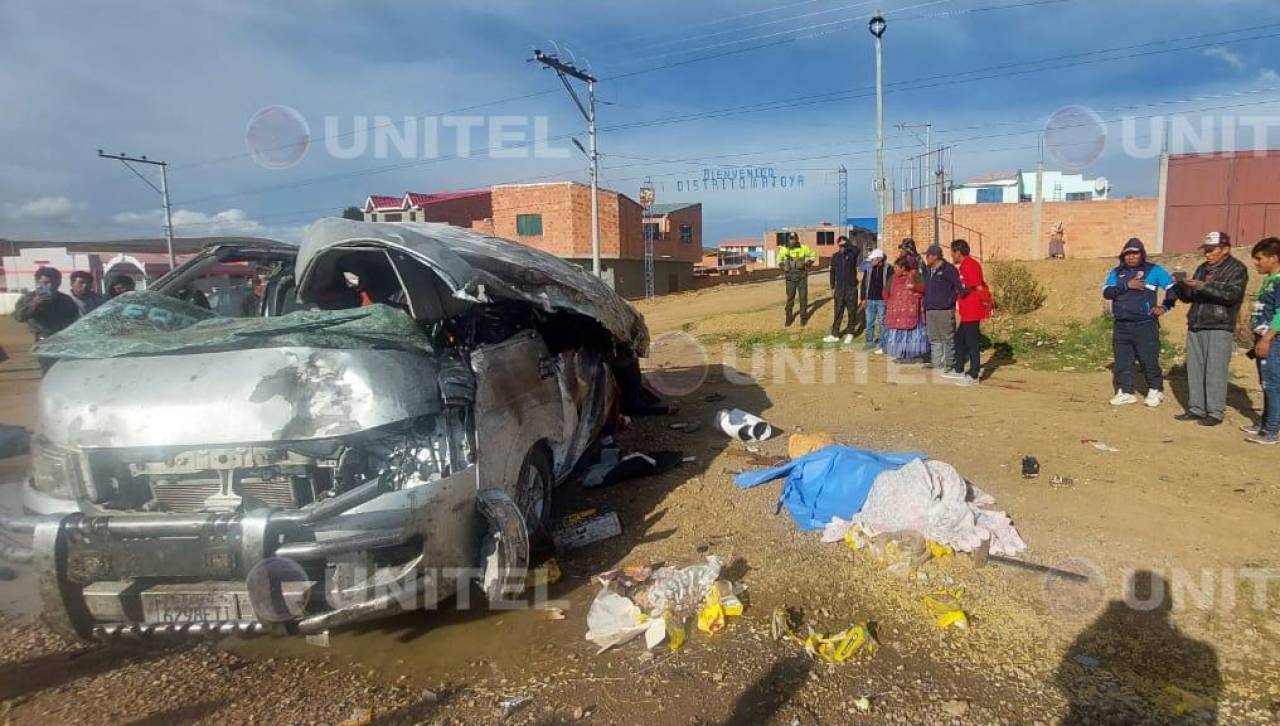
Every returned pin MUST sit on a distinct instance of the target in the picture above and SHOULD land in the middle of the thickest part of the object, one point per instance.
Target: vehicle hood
(479, 268)
(234, 397)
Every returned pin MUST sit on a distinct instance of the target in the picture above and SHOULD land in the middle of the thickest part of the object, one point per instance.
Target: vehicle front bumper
(249, 572)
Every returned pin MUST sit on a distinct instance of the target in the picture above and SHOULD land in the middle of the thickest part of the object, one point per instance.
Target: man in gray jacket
(1215, 292)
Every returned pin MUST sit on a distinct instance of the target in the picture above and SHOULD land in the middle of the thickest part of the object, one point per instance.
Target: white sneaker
(879, 351)
(966, 380)
(1123, 399)
(954, 376)
(1154, 398)
(848, 340)
(1251, 429)
(831, 339)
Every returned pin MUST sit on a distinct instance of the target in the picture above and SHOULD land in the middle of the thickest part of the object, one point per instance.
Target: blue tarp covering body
(827, 483)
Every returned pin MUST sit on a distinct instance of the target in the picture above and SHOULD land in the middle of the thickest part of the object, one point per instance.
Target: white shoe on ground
(966, 380)
(848, 339)
(831, 339)
(1154, 398)
(953, 375)
(1123, 399)
(879, 351)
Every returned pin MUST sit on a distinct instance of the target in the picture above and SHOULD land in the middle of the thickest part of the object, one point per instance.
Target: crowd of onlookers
(928, 310)
(46, 310)
(1142, 291)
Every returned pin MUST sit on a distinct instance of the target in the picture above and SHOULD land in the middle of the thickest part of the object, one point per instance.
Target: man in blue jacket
(1133, 287)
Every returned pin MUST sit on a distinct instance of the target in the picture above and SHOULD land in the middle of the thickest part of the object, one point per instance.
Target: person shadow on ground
(1133, 665)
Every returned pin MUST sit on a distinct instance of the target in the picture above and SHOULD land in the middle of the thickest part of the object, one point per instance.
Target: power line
(778, 104)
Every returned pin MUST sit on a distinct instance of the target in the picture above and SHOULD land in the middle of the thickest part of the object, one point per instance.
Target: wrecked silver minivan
(386, 427)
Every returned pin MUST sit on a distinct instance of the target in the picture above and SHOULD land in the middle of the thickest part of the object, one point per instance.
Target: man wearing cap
(875, 276)
(844, 289)
(1132, 287)
(1215, 291)
(795, 260)
(942, 287)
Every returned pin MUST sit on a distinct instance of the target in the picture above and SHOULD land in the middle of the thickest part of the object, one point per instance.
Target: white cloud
(1269, 77)
(56, 208)
(1231, 58)
(190, 223)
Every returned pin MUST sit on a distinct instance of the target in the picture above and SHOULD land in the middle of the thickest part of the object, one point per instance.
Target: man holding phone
(1215, 291)
(44, 309)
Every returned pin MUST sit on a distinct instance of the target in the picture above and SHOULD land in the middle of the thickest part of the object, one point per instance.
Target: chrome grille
(189, 495)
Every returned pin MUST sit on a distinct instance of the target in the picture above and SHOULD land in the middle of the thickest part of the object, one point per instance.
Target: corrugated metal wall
(1236, 194)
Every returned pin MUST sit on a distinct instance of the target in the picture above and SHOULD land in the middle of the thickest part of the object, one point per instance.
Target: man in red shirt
(974, 307)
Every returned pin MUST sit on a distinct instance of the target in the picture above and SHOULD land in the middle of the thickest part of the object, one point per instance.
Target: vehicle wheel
(533, 493)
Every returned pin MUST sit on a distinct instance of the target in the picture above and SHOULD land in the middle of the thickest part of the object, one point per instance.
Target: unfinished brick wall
(668, 245)
(459, 212)
(1003, 231)
(566, 219)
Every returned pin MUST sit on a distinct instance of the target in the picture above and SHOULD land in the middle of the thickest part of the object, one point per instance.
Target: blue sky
(179, 81)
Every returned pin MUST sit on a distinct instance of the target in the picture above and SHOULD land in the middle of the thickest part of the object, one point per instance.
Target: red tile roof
(415, 199)
(379, 203)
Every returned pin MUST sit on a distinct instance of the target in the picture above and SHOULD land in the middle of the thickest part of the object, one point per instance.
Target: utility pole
(647, 198)
(162, 190)
(1162, 193)
(843, 218)
(564, 71)
(877, 27)
(1037, 204)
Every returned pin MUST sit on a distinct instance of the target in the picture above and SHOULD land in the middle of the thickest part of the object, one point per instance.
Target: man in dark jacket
(1215, 291)
(942, 287)
(1132, 287)
(844, 289)
(44, 309)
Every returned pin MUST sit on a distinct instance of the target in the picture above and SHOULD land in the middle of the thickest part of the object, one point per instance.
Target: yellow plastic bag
(841, 646)
(945, 608)
(719, 603)
(676, 633)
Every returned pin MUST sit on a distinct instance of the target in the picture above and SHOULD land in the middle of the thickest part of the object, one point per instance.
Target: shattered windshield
(149, 323)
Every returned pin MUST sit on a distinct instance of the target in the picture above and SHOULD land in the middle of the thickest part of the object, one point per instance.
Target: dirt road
(1198, 507)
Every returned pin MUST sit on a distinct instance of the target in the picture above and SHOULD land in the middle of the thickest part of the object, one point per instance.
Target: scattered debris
(511, 704)
(553, 614)
(946, 610)
(982, 555)
(320, 639)
(1030, 467)
(586, 527)
(1099, 445)
(839, 647)
(658, 603)
(739, 424)
(612, 466)
(862, 704)
(1087, 661)
(956, 709)
(687, 427)
(548, 573)
(800, 444)
(1062, 482)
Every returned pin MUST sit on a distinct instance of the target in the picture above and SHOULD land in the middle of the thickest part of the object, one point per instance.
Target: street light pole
(877, 26)
(564, 71)
(163, 190)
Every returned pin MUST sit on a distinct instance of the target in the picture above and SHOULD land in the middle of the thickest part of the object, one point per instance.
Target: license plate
(193, 607)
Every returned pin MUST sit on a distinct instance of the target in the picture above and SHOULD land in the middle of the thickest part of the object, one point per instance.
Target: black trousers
(846, 303)
(968, 342)
(798, 287)
(1138, 342)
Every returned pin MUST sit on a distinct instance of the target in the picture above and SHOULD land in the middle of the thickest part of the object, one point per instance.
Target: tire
(533, 493)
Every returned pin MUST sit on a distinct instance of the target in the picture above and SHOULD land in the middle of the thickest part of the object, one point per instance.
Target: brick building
(820, 238)
(1003, 231)
(556, 217)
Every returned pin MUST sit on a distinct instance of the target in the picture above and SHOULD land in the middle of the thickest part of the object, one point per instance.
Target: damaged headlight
(54, 470)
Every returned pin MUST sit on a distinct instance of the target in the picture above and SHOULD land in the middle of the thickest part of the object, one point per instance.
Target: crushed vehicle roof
(479, 268)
